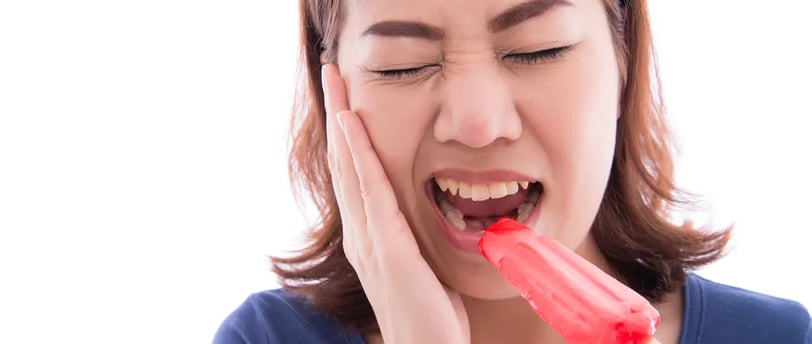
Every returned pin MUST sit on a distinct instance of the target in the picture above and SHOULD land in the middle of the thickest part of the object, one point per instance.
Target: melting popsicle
(576, 298)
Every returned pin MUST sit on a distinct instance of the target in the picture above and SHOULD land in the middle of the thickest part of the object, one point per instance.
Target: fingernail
(324, 84)
(340, 120)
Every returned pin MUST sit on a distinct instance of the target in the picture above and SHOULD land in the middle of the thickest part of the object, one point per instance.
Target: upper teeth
(480, 192)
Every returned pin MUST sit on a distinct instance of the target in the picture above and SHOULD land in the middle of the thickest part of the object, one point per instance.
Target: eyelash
(396, 74)
(540, 56)
(530, 58)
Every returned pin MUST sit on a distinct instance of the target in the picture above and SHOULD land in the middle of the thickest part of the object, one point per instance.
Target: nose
(477, 108)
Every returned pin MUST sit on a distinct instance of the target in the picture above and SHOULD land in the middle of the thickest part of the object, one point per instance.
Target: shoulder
(720, 313)
(279, 316)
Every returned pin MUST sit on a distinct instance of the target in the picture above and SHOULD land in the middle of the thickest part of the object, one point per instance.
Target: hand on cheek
(377, 240)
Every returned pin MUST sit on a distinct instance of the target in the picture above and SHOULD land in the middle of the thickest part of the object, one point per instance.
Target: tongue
(490, 207)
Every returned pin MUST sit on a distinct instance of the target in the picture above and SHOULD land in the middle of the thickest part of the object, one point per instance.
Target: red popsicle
(576, 298)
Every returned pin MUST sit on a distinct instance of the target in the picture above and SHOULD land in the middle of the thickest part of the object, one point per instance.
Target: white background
(143, 155)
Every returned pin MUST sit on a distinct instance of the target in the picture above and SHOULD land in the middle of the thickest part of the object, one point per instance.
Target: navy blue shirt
(714, 314)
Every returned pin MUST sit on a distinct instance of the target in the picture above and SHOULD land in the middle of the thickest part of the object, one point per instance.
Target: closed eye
(536, 57)
(531, 58)
(396, 74)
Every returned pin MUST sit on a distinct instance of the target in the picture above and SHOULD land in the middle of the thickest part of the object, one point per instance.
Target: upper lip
(482, 177)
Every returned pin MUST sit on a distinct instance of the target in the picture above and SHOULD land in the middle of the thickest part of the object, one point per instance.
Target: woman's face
(466, 100)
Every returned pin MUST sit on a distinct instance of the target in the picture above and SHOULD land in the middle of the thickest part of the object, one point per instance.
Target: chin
(465, 272)
(489, 286)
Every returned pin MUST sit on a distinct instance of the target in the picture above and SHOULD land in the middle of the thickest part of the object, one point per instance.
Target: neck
(507, 321)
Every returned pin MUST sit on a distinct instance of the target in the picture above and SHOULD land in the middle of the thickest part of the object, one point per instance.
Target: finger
(334, 151)
(344, 177)
(348, 195)
(335, 92)
(330, 81)
(459, 309)
(653, 341)
(384, 218)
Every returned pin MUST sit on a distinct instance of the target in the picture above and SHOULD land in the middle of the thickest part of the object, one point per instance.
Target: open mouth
(473, 207)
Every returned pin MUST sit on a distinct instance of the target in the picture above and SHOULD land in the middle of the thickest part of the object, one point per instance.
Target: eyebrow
(507, 19)
(523, 12)
(397, 28)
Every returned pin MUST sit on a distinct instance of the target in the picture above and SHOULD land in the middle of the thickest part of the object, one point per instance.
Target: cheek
(396, 120)
(573, 110)
(574, 116)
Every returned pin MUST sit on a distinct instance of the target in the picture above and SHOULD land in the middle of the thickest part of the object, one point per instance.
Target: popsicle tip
(503, 225)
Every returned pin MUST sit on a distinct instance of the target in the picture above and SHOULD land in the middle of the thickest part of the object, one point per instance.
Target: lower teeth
(524, 211)
(456, 217)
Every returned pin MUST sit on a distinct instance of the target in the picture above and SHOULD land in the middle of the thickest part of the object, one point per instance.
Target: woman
(422, 121)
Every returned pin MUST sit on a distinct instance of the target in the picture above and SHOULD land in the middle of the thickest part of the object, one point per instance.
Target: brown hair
(632, 227)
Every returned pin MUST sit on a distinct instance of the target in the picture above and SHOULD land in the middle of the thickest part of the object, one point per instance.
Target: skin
(471, 103)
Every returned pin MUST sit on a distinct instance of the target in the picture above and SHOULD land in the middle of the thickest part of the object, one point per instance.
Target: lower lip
(464, 240)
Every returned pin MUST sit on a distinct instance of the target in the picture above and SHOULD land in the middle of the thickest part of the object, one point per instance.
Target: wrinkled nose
(477, 108)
